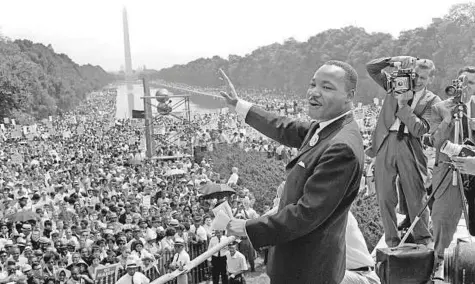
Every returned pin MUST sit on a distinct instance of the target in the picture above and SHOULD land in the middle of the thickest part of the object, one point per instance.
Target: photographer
(396, 144)
(447, 206)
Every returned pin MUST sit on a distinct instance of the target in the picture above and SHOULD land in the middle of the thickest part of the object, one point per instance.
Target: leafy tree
(36, 81)
(288, 66)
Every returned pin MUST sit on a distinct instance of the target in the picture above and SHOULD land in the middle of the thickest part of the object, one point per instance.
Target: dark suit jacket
(308, 231)
(417, 120)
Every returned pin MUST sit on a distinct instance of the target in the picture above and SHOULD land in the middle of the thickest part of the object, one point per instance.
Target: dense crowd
(80, 195)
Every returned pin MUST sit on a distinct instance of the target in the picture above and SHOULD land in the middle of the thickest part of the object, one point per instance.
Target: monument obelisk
(128, 67)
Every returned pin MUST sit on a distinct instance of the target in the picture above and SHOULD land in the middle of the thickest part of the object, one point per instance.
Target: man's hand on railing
(181, 267)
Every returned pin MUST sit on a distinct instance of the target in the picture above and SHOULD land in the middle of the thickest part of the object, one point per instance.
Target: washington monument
(128, 67)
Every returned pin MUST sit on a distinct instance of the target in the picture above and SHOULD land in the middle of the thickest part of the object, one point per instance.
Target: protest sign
(107, 275)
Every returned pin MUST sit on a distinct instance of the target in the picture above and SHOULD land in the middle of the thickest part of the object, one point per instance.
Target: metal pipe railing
(194, 262)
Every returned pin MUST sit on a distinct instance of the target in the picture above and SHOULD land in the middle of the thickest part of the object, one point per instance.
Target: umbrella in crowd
(216, 190)
(175, 172)
(22, 216)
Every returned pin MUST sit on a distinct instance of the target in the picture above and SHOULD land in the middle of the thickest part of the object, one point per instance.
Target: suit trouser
(446, 210)
(396, 157)
(219, 269)
(402, 199)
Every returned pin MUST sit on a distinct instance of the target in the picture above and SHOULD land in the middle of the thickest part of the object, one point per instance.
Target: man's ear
(351, 95)
(430, 80)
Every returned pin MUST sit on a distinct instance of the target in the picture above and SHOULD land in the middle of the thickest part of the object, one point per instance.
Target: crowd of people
(80, 195)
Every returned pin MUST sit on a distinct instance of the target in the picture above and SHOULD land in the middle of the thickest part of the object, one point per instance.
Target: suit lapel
(310, 133)
(329, 129)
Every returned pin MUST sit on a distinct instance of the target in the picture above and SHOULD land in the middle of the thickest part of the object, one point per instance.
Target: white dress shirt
(236, 263)
(397, 122)
(214, 242)
(138, 278)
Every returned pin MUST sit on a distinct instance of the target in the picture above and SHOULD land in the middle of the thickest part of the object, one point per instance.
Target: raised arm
(284, 130)
(376, 68)
(287, 131)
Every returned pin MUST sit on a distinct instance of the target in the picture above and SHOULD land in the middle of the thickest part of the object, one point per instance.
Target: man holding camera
(397, 147)
(447, 206)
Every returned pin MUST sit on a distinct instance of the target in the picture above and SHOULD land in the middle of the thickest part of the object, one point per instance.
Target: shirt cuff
(243, 107)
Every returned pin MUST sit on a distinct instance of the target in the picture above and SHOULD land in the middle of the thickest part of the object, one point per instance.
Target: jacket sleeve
(287, 131)
(337, 171)
(417, 125)
(441, 129)
(375, 69)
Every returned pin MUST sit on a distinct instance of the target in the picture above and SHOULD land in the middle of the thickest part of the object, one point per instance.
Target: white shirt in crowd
(200, 232)
(214, 242)
(233, 179)
(236, 263)
(181, 259)
(138, 278)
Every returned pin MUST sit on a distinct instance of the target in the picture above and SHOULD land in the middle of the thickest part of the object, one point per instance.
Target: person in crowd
(217, 261)
(448, 204)
(397, 148)
(88, 195)
(322, 182)
(133, 276)
(180, 259)
(236, 264)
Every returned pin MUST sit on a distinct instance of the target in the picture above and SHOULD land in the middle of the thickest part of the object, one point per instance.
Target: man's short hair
(351, 76)
(468, 69)
(426, 64)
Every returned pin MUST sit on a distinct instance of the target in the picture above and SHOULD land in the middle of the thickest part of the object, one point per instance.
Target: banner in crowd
(107, 275)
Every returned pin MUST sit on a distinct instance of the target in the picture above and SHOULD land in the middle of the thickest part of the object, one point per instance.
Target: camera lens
(459, 263)
(450, 91)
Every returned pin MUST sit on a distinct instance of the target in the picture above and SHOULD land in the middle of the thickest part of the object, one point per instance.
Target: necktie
(400, 132)
(219, 252)
(132, 279)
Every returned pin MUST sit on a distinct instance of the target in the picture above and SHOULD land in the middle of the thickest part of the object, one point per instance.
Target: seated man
(359, 263)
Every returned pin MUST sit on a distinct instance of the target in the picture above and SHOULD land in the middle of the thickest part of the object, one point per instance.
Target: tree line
(36, 82)
(448, 41)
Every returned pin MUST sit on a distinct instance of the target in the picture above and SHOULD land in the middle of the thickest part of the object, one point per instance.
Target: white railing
(193, 263)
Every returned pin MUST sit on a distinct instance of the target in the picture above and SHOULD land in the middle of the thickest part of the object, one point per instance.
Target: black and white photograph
(237, 142)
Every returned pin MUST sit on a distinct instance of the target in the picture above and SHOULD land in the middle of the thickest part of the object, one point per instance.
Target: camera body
(457, 88)
(401, 80)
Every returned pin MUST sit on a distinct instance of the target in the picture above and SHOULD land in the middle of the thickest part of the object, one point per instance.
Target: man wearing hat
(149, 267)
(236, 264)
(199, 232)
(133, 276)
(180, 259)
(218, 260)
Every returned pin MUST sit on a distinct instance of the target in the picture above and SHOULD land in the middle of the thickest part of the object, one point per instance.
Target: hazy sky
(168, 32)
